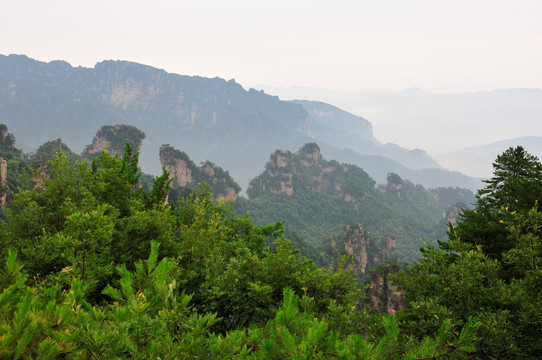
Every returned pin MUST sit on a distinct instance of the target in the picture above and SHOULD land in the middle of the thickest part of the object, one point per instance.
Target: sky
(440, 46)
(389, 45)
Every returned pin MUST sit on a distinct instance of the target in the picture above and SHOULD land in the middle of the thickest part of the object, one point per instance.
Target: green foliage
(327, 196)
(149, 318)
(516, 185)
(224, 261)
(83, 277)
(296, 335)
(488, 272)
(31, 325)
(88, 217)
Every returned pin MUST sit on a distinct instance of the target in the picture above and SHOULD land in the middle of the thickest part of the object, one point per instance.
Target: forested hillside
(95, 266)
(318, 198)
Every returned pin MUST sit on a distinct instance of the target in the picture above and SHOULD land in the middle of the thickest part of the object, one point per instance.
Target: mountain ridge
(455, 120)
(211, 118)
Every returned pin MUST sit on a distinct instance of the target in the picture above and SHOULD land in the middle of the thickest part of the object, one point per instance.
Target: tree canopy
(94, 266)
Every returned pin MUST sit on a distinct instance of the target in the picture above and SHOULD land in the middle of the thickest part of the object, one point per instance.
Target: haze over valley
(482, 124)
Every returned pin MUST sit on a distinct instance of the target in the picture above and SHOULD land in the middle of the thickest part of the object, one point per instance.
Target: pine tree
(516, 185)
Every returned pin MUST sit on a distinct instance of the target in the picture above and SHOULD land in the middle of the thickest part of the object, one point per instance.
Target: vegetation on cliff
(113, 138)
(14, 160)
(187, 176)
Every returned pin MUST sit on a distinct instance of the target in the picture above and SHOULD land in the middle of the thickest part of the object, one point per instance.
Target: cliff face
(99, 145)
(365, 252)
(187, 175)
(380, 260)
(113, 139)
(54, 99)
(357, 243)
(18, 164)
(3, 181)
(179, 167)
(383, 296)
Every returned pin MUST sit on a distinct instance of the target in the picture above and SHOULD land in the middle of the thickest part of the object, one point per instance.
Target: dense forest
(96, 266)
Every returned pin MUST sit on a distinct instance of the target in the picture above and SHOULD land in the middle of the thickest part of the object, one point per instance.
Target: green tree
(225, 262)
(492, 278)
(516, 185)
(89, 217)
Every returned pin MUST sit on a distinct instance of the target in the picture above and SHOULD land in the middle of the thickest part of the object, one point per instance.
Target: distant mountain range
(211, 119)
(478, 160)
(343, 130)
(438, 123)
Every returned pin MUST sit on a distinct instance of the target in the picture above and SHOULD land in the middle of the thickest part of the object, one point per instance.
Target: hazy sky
(441, 46)
(437, 45)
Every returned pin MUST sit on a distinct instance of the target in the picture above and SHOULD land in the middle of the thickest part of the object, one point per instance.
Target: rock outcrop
(383, 295)
(357, 244)
(366, 253)
(3, 181)
(287, 172)
(373, 263)
(6, 139)
(16, 157)
(186, 174)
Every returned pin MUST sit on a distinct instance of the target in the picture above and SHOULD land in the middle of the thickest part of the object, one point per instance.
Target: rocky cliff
(13, 165)
(382, 295)
(366, 253)
(3, 181)
(319, 197)
(287, 172)
(372, 262)
(41, 101)
(186, 174)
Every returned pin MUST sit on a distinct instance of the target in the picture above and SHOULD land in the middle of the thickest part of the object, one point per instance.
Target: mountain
(379, 167)
(477, 160)
(319, 197)
(344, 130)
(437, 123)
(329, 207)
(211, 119)
(187, 175)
